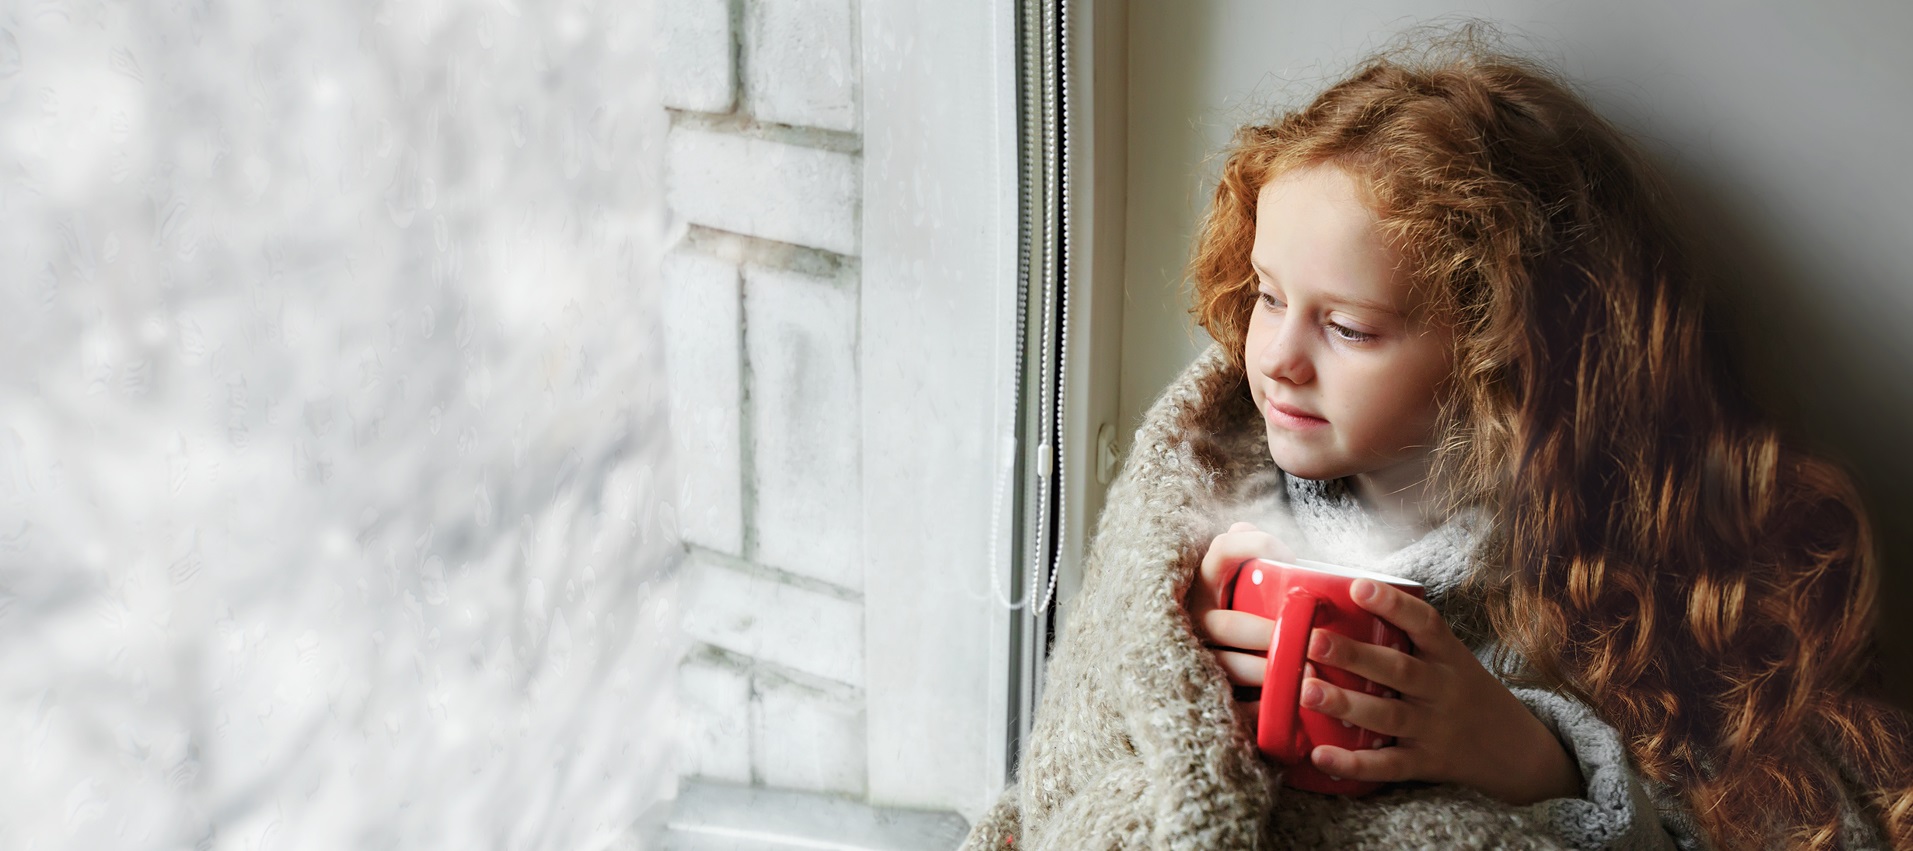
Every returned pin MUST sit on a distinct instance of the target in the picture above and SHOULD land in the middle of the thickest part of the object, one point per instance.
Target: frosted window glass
(333, 490)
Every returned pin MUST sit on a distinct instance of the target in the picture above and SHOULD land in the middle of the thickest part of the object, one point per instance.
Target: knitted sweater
(1135, 742)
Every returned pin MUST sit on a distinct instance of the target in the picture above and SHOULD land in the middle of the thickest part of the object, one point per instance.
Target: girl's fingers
(1407, 611)
(1385, 765)
(1226, 554)
(1383, 665)
(1244, 669)
(1240, 630)
(1218, 567)
(1386, 716)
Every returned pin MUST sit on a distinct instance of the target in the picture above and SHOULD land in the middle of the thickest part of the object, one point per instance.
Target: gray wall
(1782, 122)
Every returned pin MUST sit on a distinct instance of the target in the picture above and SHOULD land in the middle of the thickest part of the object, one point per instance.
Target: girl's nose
(1285, 356)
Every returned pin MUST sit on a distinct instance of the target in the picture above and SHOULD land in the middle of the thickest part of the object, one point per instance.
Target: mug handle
(1278, 723)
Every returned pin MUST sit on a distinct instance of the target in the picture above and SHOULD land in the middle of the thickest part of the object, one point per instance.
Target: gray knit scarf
(1135, 743)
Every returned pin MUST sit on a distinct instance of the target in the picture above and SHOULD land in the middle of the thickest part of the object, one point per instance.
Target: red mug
(1301, 595)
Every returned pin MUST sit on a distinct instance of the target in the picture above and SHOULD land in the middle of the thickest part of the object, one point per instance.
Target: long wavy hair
(1660, 550)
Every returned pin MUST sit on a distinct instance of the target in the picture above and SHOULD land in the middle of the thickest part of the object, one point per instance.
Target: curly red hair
(1661, 551)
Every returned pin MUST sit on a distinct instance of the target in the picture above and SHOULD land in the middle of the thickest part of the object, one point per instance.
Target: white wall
(1783, 121)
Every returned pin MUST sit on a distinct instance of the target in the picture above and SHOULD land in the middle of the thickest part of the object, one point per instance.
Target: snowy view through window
(334, 498)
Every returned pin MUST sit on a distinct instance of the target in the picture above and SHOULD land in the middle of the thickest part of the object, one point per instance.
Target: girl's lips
(1293, 418)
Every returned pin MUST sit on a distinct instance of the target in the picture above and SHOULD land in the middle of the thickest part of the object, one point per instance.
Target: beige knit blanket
(1135, 743)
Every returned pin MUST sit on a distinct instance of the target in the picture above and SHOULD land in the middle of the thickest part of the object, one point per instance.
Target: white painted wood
(936, 347)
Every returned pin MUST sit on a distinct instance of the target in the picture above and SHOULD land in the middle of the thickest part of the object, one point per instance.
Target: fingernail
(1311, 694)
(1364, 591)
(1318, 646)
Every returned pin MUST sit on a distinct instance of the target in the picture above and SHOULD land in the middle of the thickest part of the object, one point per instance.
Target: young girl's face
(1347, 384)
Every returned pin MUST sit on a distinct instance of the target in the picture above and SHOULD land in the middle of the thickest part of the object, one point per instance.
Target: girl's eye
(1351, 334)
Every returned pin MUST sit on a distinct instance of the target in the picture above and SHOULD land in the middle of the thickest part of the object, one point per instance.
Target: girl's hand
(1455, 722)
(1222, 629)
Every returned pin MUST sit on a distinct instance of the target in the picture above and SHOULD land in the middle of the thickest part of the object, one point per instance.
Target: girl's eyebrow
(1332, 298)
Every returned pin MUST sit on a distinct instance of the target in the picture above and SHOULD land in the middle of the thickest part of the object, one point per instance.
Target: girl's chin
(1304, 467)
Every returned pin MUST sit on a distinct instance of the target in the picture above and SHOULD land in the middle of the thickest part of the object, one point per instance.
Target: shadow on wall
(1821, 381)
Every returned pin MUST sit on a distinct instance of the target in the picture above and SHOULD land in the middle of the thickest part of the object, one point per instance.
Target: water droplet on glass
(138, 378)
(169, 222)
(9, 55)
(184, 569)
(668, 523)
(600, 136)
(183, 774)
(236, 431)
(570, 153)
(189, 233)
(432, 579)
(178, 463)
(307, 646)
(152, 332)
(258, 174)
(122, 62)
(482, 507)
(401, 196)
(82, 805)
(559, 643)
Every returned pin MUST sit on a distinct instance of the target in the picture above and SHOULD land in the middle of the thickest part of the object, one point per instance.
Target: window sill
(712, 816)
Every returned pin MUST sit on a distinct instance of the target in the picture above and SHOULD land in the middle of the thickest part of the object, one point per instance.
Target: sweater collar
(1337, 528)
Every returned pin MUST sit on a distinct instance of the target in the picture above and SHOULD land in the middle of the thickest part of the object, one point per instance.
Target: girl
(1459, 338)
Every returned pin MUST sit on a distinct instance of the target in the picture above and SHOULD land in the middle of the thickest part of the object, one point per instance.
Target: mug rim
(1342, 570)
